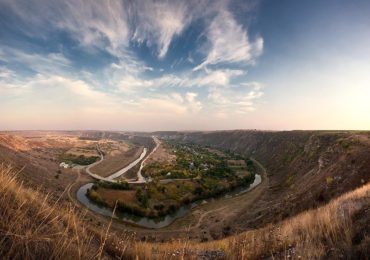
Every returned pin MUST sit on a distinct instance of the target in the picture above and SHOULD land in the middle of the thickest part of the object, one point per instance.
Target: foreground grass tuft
(333, 231)
(33, 228)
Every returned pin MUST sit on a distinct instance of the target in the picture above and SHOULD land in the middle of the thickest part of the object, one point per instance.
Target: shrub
(95, 197)
(122, 185)
(142, 197)
(131, 209)
(81, 160)
(329, 180)
(198, 191)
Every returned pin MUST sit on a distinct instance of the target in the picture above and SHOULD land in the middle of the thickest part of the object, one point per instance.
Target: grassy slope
(32, 228)
(340, 229)
(306, 168)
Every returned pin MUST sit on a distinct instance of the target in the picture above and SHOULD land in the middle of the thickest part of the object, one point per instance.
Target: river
(161, 222)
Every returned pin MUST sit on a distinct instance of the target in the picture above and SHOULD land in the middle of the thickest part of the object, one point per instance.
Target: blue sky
(184, 65)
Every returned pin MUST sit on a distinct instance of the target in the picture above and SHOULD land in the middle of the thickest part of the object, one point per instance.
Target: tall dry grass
(326, 232)
(32, 228)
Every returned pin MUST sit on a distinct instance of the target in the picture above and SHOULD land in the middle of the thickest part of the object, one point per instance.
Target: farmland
(178, 174)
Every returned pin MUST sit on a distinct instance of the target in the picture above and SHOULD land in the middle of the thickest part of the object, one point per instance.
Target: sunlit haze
(184, 65)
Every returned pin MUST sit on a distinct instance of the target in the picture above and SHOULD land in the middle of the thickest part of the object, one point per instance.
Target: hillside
(32, 227)
(315, 203)
(305, 168)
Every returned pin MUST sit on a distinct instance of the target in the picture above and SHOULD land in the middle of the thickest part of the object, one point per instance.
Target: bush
(122, 185)
(142, 197)
(81, 160)
(159, 206)
(198, 191)
(131, 208)
(172, 208)
(95, 197)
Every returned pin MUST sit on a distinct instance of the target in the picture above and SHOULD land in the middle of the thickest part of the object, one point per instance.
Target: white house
(63, 165)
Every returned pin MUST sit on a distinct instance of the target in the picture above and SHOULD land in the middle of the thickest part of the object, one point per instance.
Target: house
(191, 165)
(64, 165)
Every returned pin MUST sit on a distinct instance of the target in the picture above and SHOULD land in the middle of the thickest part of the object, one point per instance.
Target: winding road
(112, 177)
(194, 221)
(140, 177)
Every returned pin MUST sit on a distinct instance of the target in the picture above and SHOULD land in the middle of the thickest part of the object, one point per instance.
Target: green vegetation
(95, 197)
(142, 197)
(122, 185)
(80, 160)
(192, 161)
(198, 173)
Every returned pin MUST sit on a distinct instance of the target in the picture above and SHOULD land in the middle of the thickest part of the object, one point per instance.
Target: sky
(184, 65)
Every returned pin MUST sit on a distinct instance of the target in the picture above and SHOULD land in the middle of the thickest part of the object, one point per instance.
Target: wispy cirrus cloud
(106, 57)
(229, 42)
(49, 63)
(208, 78)
(158, 22)
(109, 25)
(6, 73)
(94, 24)
(102, 24)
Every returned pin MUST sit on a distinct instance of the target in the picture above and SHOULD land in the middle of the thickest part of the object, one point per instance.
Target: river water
(161, 221)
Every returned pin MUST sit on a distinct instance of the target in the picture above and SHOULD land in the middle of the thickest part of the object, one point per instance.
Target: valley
(195, 186)
(170, 189)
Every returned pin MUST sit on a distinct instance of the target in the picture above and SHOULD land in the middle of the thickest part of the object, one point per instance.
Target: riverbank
(158, 222)
(213, 214)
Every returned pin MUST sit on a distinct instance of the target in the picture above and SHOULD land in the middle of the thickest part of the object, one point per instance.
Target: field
(83, 152)
(179, 174)
(162, 155)
(88, 151)
(117, 155)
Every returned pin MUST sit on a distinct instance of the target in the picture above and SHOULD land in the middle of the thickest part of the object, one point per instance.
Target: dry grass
(32, 228)
(326, 232)
(111, 196)
(86, 151)
(111, 164)
(113, 148)
(162, 155)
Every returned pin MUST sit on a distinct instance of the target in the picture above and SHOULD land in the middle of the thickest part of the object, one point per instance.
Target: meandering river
(161, 221)
(154, 223)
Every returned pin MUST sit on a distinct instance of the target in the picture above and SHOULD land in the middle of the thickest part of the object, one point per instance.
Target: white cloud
(217, 78)
(177, 97)
(93, 23)
(229, 42)
(49, 63)
(158, 22)
(130, 83)
(96, 23)
(193, 105)
(6, 73)
(239, 99)
(127, 85)
(127, 75)
(112, 25)
(109, 25)
(208, 78)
